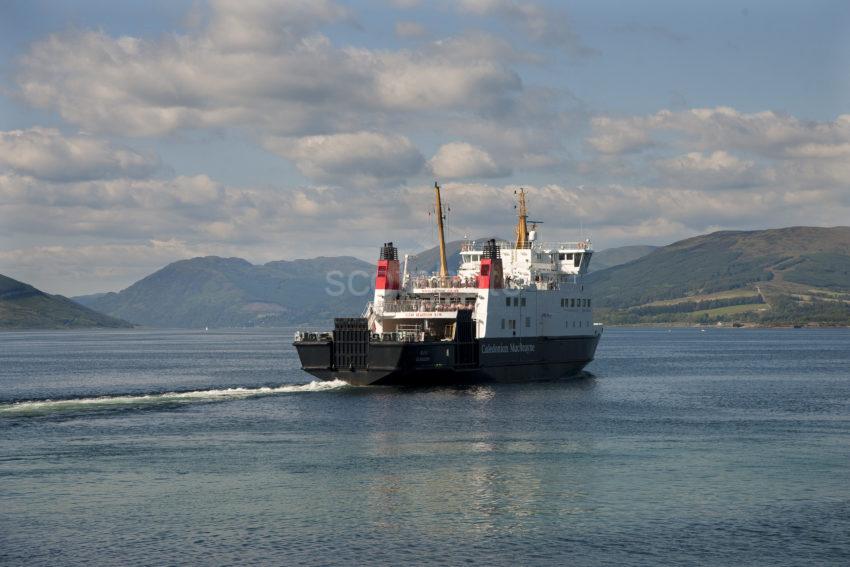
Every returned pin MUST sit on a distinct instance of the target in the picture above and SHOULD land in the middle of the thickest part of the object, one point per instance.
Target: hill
(610, 257)
(232, 292)
(24, 307)
(793, 275)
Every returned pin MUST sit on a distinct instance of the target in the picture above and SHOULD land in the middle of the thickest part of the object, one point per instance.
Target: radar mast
(522, 222)
(444, 271)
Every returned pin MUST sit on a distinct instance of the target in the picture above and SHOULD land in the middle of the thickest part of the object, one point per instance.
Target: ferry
(514, 311)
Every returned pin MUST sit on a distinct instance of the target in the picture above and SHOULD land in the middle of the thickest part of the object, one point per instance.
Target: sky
(134, 134)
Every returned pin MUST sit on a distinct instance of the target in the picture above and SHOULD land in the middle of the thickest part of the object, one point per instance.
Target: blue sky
(135, 134)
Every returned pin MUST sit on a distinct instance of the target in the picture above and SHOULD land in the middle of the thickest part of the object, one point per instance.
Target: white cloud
(407, 81)
(532, 135)
(623, 212)
(249, 68)
(349, 116)
(618, 136)
(359, 157)
(408, 30)
(188, 216)
(476, 45)
(47, 154)
(544, 24)
(712, 170)
(189, 195)
(716, 161)
(819, 150)
(767, 133)
(251, 25)
(459, 160)
(766, 153)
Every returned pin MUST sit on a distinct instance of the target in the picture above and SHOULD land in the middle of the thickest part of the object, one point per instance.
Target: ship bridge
(531, 262)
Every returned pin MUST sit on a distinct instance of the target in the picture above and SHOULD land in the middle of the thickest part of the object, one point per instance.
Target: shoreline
(679, 325)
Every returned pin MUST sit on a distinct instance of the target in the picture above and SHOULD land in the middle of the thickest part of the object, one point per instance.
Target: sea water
(722, 447)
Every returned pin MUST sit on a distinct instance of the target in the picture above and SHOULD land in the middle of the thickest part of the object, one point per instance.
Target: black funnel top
(491, 250)
(389, 252)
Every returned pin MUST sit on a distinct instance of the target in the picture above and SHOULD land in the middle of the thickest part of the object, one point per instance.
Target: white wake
(40, 407)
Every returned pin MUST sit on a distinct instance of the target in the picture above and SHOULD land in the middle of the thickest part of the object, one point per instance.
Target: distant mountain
(610, 257)
(231, 292)
(785, 276)
(86, 299)
(24, 307)
(791, 275)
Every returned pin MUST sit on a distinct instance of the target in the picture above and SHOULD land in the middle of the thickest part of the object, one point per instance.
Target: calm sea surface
(722, 447)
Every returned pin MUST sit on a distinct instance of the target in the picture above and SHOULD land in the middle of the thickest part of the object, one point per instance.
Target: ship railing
(434, 281)
(506, 245)
(313, 337)
(423, 305)
(401, 336)
(576, 245)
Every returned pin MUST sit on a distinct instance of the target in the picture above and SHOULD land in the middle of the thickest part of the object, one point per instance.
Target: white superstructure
(522, 288)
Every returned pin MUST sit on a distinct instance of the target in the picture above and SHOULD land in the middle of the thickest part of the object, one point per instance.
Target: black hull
(492, 360)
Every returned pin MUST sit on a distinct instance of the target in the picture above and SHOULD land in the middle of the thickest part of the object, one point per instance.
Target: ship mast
(444, 271)
(522, 223)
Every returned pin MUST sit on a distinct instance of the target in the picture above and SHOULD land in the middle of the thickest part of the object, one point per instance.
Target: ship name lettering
(508, 348)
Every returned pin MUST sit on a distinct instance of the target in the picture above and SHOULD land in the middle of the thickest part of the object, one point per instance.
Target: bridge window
(528, 321)
(516, 301)
(522, 302)
(507, 302)
(573, 302)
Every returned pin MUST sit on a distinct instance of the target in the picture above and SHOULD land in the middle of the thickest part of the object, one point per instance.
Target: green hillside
(609, 257)
(231, 292)
(785, 276)
(794, 275)
(24, 307)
